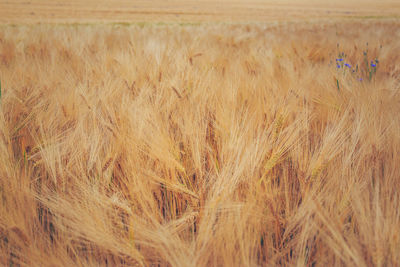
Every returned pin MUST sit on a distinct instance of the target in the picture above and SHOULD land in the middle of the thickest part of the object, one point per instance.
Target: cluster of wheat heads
(207, 145)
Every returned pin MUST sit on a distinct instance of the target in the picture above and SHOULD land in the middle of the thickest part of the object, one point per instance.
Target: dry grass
(209, 145)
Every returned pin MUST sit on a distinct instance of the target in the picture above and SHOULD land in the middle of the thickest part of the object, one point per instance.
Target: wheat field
(190, 11)
(264, 144)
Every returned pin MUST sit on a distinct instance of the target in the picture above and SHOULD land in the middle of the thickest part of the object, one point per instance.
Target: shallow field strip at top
(87, 11)
(206, 145)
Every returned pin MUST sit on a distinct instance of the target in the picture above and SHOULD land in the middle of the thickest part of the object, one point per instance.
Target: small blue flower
(338, 66)
(339, 59)
(347, 65)
(372, 64)
(360, 79)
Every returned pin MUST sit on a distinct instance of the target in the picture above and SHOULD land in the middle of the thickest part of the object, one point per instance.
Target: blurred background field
(76, 11)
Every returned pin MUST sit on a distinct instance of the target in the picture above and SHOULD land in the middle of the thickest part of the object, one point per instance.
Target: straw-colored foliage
(205, 145)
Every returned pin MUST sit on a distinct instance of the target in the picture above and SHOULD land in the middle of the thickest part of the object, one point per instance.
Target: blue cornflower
(372, 64)
(338, 66)
(347, 65)
(339, 59)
